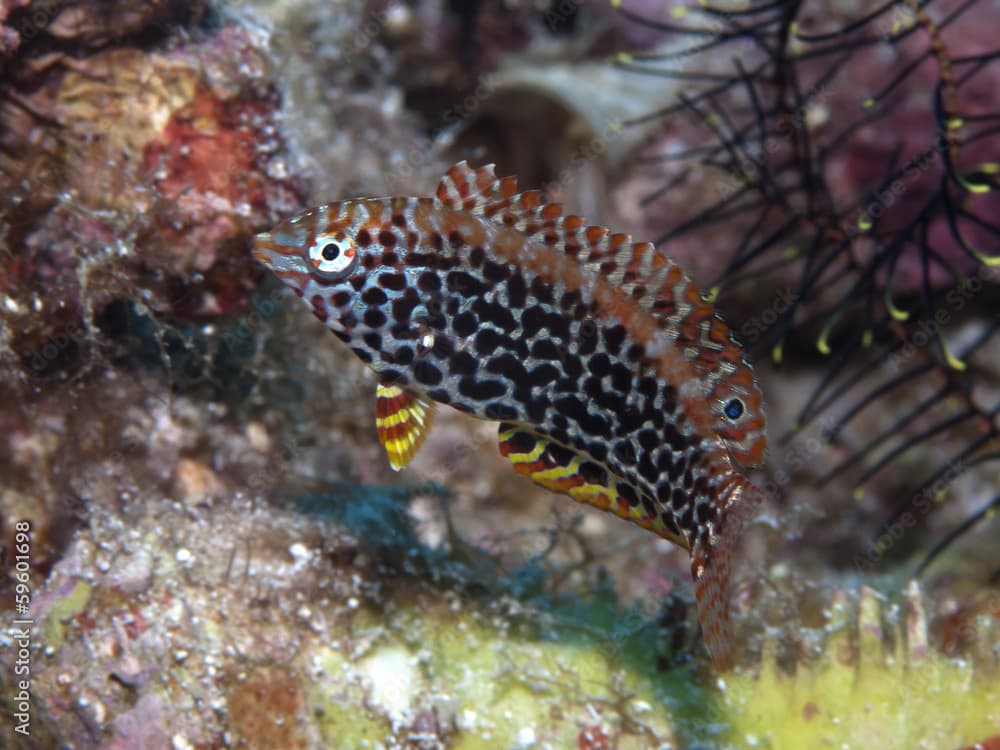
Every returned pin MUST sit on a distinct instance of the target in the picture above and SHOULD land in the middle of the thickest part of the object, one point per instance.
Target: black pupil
(733, 408)
(331, 251)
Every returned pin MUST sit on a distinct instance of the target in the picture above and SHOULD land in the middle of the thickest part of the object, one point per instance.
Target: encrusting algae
(199, 647)
(215, 560)
(613, 378)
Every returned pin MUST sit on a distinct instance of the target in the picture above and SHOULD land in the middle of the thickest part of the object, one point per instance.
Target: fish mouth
(263, 248)
(284, 260)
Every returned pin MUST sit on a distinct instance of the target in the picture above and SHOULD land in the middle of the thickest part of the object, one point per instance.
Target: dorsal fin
(463, 188)
(657, 284)
(478, 191)
(647, 275)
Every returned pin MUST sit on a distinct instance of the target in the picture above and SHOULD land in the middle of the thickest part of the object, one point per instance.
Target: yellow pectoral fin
(403, 420)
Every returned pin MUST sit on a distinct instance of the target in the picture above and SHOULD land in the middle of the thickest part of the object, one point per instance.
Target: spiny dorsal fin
(478, 191)
(637, 268)
(657, 284)
(463, 188)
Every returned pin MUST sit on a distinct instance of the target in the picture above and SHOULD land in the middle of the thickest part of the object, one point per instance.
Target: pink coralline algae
(135, 173)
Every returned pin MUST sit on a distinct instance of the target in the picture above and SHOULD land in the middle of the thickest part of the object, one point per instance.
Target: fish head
(738, 406)
(343, 260)
(309, 252)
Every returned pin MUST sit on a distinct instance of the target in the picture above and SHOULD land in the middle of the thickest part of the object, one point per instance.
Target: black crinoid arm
(846, 169)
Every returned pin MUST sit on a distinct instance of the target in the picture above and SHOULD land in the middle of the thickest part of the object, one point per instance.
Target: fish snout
(263, 248)
(283, 259)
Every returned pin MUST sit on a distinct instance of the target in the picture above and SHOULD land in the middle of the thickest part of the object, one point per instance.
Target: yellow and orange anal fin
(711, 558)
(562, 470)
(536, 458)
(403, 420)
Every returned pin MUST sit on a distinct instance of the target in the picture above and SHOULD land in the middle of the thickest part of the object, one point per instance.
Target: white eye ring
(332, 257)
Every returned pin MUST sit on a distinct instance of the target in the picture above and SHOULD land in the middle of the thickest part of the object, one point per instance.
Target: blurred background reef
(220, 555)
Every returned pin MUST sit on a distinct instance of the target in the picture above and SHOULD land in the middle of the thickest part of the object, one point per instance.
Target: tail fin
(710, 560)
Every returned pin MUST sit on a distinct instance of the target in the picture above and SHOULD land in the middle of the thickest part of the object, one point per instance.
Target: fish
(613, 378)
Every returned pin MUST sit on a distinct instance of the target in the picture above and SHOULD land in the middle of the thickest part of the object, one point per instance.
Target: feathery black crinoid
(858, 158)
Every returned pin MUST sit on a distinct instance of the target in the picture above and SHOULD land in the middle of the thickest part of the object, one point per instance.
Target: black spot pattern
(517, 291)
(466, 284)
(481, 389)
(401, 309)
(509, 346)
(495, 313)
(374, 318)
(374, 296)
(394, 281)
(429, 282)
(427, 373)
(487, 341)
(495, 272)
(464, 363)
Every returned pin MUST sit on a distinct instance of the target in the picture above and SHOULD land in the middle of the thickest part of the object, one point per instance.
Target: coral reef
(135, 166)
(220, 555)
(211, 620)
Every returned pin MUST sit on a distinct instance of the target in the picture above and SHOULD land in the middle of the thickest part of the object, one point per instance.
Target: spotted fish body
(612, 377)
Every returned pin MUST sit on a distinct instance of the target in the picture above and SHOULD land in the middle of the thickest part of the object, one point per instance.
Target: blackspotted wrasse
(612, 377)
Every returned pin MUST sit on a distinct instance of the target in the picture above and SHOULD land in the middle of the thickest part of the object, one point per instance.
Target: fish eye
(332, 257)
(733, 409)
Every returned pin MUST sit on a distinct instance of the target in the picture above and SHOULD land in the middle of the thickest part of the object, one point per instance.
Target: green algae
(62, 611)
(936, 703)
(533, 680)
(496, 687)
(337, 703)
(878, 683)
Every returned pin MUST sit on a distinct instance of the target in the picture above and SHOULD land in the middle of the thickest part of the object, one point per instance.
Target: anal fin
(402, 419)
(565, 471)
